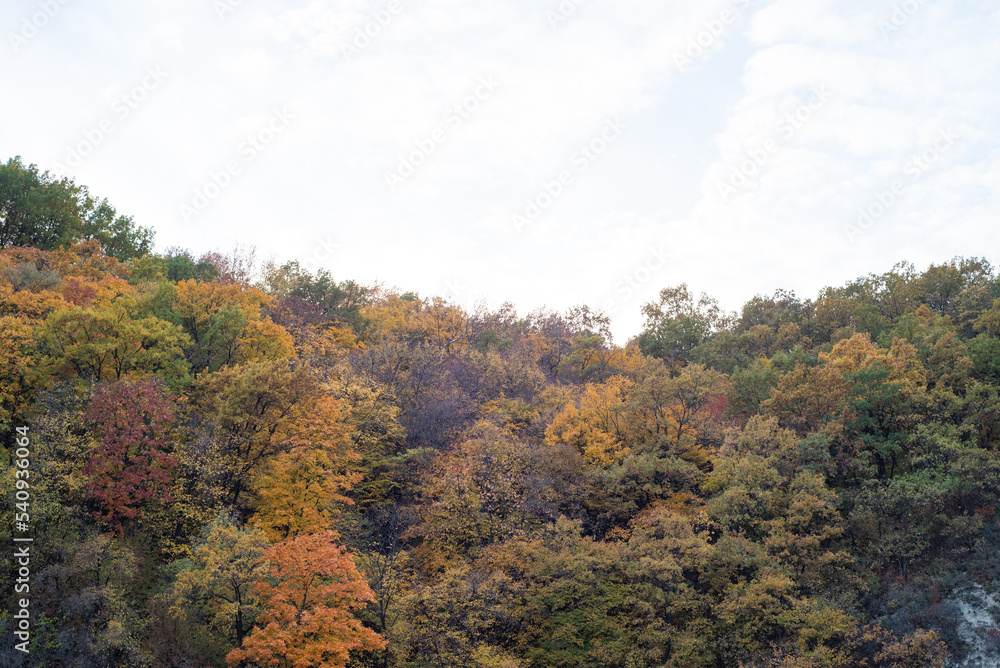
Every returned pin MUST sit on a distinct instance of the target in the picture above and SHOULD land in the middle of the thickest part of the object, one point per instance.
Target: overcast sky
(544, 152)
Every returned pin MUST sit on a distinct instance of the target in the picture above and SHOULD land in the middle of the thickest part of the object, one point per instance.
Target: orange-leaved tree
(309, 597)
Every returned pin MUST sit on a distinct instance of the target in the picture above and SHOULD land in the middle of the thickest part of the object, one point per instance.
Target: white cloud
(558, 84)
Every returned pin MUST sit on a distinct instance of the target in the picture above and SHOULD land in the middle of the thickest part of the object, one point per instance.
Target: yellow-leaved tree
(226, 325)
(598, 427)
(296, 490)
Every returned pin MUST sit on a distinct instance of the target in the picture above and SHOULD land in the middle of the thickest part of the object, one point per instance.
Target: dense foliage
(246, 465)
(38, 209)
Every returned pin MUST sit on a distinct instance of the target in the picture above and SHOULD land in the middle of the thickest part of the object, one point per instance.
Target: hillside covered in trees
(234, 463)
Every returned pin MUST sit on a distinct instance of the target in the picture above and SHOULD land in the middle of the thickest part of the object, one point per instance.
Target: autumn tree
(226, 325)
(939, 348)
(857, 390)
(17, 380)
(308, 599)
(109, 341)
(263, 415)
(874, 645)
(750, 387)
(212, 588)
(598, 427)
(118, 235)
(771, 486)
(241, 265)
(583, 607)
(469, 615)
(926, 513)
(960, 288)
(296, 489)
(475, 495)
(592, 358)
(130, 467)
(301, 471)
(881, 386)
(678, 412)
(376, 434)
(782, 308)
(490, 487)
(510, 373)
(548, 339)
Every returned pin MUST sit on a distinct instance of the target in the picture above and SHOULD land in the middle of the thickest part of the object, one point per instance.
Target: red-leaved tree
(131, 466)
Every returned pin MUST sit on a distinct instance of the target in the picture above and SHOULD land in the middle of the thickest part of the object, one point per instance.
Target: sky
(548, 153)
